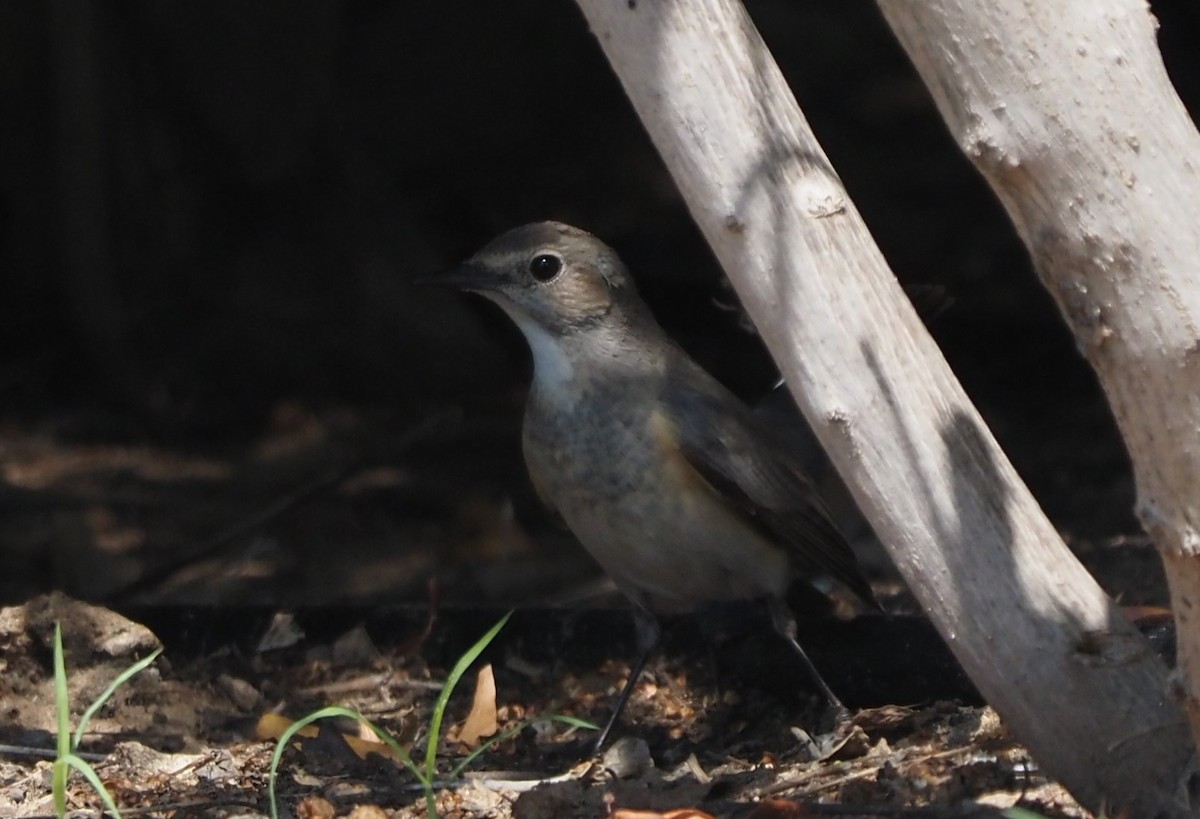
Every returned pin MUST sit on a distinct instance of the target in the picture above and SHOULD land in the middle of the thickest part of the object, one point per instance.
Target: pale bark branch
(1043, 643)
(1068, 112)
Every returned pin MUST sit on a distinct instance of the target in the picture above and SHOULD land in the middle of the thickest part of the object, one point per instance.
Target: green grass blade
(62, 712)
(574, 722)
(62, 702)
(98, 703)
(325, 713)
(58, 786)
(89, 773)
(500, 737)
(503, 735)
(439, 709)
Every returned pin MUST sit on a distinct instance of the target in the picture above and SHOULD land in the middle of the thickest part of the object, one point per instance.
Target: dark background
(216, 381)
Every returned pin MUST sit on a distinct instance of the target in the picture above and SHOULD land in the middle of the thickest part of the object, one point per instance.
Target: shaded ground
(713, 734)
(348, 505)
(334, 514)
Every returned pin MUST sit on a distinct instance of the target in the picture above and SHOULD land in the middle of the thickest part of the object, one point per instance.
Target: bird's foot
(837, 719)
(838, 735)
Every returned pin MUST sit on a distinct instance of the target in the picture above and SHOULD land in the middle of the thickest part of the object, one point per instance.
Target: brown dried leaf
(315, 807)
(367, 812)
(481, 722)
(271, 727)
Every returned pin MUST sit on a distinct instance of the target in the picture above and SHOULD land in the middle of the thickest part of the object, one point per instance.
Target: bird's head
(552, 277)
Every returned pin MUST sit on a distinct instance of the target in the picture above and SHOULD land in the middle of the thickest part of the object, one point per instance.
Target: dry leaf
(481, 722)
(272, 726)
(315, 807)
(367, 812)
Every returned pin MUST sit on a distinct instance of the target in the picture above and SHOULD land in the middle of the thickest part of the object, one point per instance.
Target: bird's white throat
(552, 366)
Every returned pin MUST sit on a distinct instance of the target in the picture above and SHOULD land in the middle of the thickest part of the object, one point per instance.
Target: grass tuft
(67, 743)
(426, 772)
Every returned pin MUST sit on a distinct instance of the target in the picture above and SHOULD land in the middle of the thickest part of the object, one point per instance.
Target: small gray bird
(681, 493)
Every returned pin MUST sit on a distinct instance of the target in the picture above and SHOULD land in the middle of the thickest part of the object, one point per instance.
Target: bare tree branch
(1068, 112)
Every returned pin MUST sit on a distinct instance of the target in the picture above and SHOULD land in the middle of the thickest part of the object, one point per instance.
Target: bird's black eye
(544, 266)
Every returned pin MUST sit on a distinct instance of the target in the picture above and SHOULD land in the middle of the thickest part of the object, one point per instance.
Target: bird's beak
(466, 276)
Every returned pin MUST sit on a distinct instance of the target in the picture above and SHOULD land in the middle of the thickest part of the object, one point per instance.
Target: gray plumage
(676, 488)
(680, 492)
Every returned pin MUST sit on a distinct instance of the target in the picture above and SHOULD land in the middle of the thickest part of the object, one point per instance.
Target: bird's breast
(593, 444)
(609, 462)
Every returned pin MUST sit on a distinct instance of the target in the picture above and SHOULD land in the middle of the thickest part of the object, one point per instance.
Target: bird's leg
(648, 634)
(785, 626)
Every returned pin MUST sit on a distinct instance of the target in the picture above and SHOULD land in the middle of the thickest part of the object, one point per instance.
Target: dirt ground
(701, 733)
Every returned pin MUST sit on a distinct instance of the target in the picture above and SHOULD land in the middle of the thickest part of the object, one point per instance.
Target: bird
(682, 494)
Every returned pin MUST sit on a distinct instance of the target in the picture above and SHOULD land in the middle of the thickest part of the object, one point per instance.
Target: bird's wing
(746, 465)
